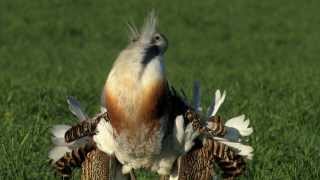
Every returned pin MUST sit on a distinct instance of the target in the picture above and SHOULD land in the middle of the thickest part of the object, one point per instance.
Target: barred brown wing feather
(72, 160)
(84, 128)
(229, 162)
(217, 126)
(197, 163)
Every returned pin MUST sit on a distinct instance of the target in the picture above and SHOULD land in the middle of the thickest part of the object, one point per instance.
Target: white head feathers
(148, 29)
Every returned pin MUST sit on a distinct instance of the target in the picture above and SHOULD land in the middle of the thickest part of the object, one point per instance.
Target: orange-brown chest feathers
(136, 96)
(140, 109)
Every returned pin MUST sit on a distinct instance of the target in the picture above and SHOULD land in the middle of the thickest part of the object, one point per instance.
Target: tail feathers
(237, 127)
(243, 150)
(61, 147)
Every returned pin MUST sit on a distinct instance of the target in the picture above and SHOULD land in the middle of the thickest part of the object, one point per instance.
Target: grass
(265, 54)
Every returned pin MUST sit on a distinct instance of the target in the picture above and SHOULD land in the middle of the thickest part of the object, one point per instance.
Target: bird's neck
(135, 96)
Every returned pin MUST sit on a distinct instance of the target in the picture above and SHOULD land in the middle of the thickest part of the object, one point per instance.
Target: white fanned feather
(184, 135)
(179, 128)
(58, 132)
(236, 127)
(216, 103)
(61, 147)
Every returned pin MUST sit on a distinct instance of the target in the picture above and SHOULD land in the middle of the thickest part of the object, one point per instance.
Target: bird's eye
(157, 37)
(134, 39)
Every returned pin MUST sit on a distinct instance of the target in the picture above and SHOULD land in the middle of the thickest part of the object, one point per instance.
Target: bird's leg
(133, 175)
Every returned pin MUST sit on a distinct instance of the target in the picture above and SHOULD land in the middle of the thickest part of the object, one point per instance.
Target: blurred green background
(265, 54)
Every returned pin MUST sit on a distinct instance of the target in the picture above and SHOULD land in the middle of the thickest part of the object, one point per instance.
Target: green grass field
(265, 54)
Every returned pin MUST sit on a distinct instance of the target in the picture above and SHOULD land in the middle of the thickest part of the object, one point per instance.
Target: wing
(84, 128)
(198, 163)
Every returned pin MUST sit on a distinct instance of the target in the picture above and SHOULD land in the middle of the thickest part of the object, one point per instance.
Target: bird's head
(142, 60)
(151, 42)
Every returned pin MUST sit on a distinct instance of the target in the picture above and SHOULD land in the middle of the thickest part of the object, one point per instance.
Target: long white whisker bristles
(133, 31)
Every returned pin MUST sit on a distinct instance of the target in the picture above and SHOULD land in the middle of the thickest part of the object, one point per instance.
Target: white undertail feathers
(104, 137)
(184, 135)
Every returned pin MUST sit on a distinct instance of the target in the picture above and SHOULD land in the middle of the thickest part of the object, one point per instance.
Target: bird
(144, 122)
(136, 95)
(142, 131)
